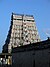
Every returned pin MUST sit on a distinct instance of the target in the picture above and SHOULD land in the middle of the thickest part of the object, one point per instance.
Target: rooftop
(34, 46)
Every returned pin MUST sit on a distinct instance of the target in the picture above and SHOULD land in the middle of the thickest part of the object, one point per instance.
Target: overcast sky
(40, 9)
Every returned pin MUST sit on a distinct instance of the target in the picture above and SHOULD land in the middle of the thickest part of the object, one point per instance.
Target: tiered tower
(22, 31)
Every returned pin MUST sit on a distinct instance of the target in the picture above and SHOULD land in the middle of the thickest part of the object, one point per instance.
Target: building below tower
(31, 55)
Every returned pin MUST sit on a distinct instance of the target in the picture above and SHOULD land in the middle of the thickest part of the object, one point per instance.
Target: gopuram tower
(22, 31)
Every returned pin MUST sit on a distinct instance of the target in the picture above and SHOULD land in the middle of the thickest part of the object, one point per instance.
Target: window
(26, 40)
(31, 20)
(19, 19)
(26, 35)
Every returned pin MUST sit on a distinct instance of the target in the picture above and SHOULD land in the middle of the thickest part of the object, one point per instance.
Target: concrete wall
(37, 58)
